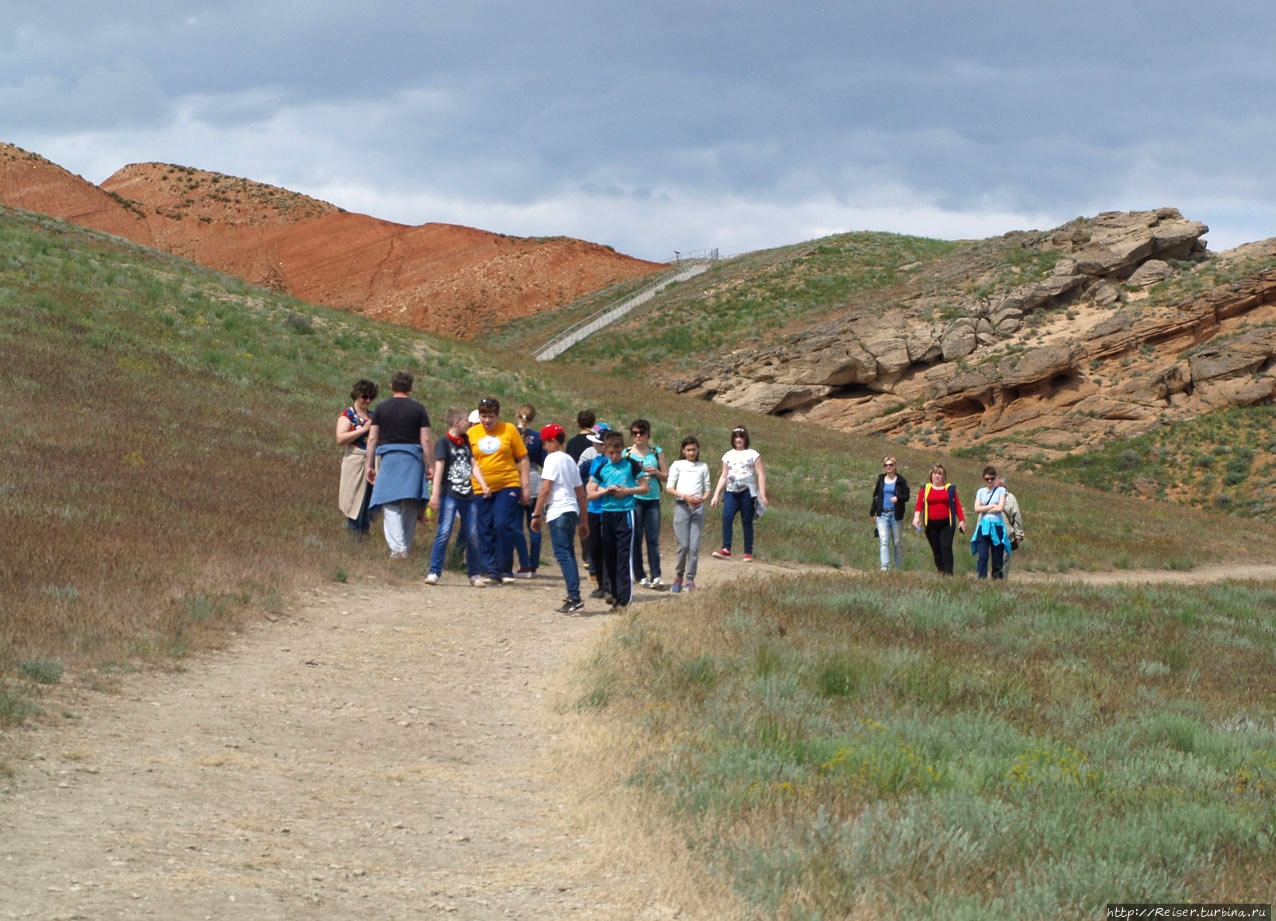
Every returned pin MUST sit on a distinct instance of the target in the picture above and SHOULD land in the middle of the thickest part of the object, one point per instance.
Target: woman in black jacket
(890, 497)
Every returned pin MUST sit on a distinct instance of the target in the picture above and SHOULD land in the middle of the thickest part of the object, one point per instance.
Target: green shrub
(42, 669)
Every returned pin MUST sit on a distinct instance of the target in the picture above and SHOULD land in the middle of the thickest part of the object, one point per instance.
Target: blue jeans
(363, 524)
(890, 532)
(529, 550)
(984, 545)
(561, 536)
(741, 502)
(646, 525)
(499, 519)
(449, 508)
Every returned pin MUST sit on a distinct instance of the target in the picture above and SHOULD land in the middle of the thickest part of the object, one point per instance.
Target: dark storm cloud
(965, 107)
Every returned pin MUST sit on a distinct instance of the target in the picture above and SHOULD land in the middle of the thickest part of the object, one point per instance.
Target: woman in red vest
(939, 511)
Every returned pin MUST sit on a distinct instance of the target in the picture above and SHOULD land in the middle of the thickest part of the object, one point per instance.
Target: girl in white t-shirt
(744, 481)
(688, 484)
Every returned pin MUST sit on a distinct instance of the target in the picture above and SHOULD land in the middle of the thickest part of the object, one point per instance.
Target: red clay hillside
(438, 277)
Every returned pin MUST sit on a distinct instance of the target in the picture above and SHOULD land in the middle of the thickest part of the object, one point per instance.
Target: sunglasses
(990, 479)
(637, 432)
(888, 465)
(488, 404)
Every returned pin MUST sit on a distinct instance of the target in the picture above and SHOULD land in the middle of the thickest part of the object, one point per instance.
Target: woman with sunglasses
(353, 426)
(990, 538)
(744, 481)
(647, 505)
(890, 497)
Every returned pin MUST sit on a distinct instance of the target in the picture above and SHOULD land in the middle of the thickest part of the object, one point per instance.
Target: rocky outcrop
(1084, 351)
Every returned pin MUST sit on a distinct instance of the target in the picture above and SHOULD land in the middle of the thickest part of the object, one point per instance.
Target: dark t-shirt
(576, 446)
(458, 468)
(399, 421)
(535, 450)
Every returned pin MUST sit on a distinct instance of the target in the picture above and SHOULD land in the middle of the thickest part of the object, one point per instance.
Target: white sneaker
(478, 581)
(507, 580)
(657, 584)
(644, 583)
(432, 579)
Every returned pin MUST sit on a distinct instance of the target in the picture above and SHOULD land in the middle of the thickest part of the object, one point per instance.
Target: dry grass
(859, 747)
(638, 834)
(174, 474)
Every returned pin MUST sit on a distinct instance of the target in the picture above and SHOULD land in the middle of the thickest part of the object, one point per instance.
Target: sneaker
(657, 584)
(609, 600)
(748, 557)
(432, 579)
(507, 580)
(478, 581)
(398, 554)
(571, 607)
(526, 572)
(676, 587)
(723, 554)
(644, 583)
(689, 585)
(597, 593)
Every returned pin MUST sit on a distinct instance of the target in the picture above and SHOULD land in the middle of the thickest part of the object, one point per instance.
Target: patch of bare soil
(442, 278)
(377, 753)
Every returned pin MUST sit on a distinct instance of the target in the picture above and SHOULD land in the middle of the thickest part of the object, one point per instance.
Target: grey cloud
(1027, 108)
(122, 94)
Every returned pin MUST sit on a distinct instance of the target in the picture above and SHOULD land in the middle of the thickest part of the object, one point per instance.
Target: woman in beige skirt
(352, 436)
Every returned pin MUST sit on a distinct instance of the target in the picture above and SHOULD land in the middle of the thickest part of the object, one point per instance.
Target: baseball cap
(552, 432)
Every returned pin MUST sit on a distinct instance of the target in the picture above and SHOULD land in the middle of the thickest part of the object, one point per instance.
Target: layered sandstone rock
(1048, 366)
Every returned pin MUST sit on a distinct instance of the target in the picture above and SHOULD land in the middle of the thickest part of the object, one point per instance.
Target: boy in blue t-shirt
(614, 485)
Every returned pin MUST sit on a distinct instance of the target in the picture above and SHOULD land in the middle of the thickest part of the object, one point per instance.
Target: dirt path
(1196, 576)
(379, 753)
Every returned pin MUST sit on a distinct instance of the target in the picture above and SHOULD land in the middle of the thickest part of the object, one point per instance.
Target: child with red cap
(561, 504)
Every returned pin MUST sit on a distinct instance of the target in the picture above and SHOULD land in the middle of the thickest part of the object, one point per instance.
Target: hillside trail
(378, 752)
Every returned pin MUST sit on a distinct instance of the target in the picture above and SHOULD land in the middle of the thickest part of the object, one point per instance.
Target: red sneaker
(723, 554)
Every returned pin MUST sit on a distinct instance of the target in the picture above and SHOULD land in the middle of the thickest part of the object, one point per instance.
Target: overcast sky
(659, 126)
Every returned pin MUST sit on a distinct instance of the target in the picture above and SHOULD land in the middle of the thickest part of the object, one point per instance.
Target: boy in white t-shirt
(561, 502)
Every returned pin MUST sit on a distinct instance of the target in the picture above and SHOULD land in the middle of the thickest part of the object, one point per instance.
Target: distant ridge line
(691, 266)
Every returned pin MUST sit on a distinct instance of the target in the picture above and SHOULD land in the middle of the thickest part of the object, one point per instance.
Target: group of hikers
(938, 514)
(495, 478)
(506, 483)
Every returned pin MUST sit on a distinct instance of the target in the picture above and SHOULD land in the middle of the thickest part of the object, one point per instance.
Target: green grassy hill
(178, 458)
(744, 299)
(1225, 460)
(170, 474)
